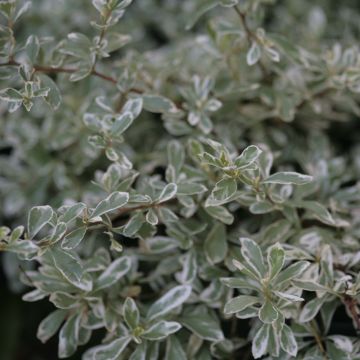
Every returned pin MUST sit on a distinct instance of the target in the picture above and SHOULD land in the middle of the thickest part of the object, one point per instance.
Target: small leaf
(168, 192)
(111, 351)
(39, 216)
(254, 54)
(215, 245)
(161, 330)
(114, 201)
(131, 313)
(50, 325)
(222, 192)
(158, 104)
(287, 341)
(115, 271)
(73, 239)
(310, 310)
(69, 335)
(268, 313)
(240, 303)
(292, 271)
(122, 122)
(247, 157)
(253, 256)
(171, 300)
(275, 259)
(288, 177)
(260, 341)
(220, 213)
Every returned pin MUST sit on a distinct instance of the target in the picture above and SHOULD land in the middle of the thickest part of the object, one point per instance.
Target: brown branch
(56, 70)
(353, 309)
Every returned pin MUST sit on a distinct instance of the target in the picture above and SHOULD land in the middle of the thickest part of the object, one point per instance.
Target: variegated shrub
(187, 176)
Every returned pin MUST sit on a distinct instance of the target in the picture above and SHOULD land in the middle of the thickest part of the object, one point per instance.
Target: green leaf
(220, 213)
(11, 95)
(111, 351)
(247, 157)
(38, 217)
(72, 212)
(161, 330)
(222, 193)
(168, 302)
(121, 123)
(275, 259)
(131, 313)
(190, 188)
(202, 7)
(158, 104)
(202, 324)
(215, 245)
(309, 285)
(167, 193)
(254, 54)
(318, 210)
(291, 272)
(240, 303)
(310, 310)
(54, 97)
(73, 239)
(174, 350)
(288, 177)
(114, 201)
(260, 341)
(287, 341)
(69, 336)
(115, 271)
(50, 325)
(67, 264)
(253, 256)
(268, 313)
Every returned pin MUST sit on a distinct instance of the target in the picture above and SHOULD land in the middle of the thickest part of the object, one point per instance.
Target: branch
(56, 70)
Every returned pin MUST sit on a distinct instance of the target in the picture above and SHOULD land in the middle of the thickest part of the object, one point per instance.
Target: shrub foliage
(189, 174)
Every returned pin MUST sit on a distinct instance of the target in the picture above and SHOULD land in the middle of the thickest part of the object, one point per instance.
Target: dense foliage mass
(180, 178)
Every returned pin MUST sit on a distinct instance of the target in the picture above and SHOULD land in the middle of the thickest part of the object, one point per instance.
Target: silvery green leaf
(151, 217)
(190, 188)
(134, 106)
(161, 330)
(253, 256)
(275, 260)
(158, 104)
(260, 341)
(50, 325)
(161, 244)
(58, 232)
(121, 123)
(169, 301)
(11, 95)
(229, 3)
(215, 245)
(291, 272)
(318, 210)
(140, 351)
(63, 300)
(73, 238)
(241, 283)
(174, 350)
(310, 310)
(176, 155)
(189, 270)
(67, 264)
(115, 271)
(15, 234)
(202, 324)
(34, 295)
(32, 47)
(72, 212)
(22, 10)
(114, 201)
(38, 217)
(134, 224)
(69, 335)
(167, 193)
(261, 207)
(288, 177)
(166, 215)
(288, 341)
(220, 213)
(111, 351)
(222, 192)
(201, 9)
(240, 303)
(131, 313)
(254, 54)
(288, 297)
(247, 157)
(342, 342)
(54, 97)
(25, 247)
(268, 313)
(309, 285)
